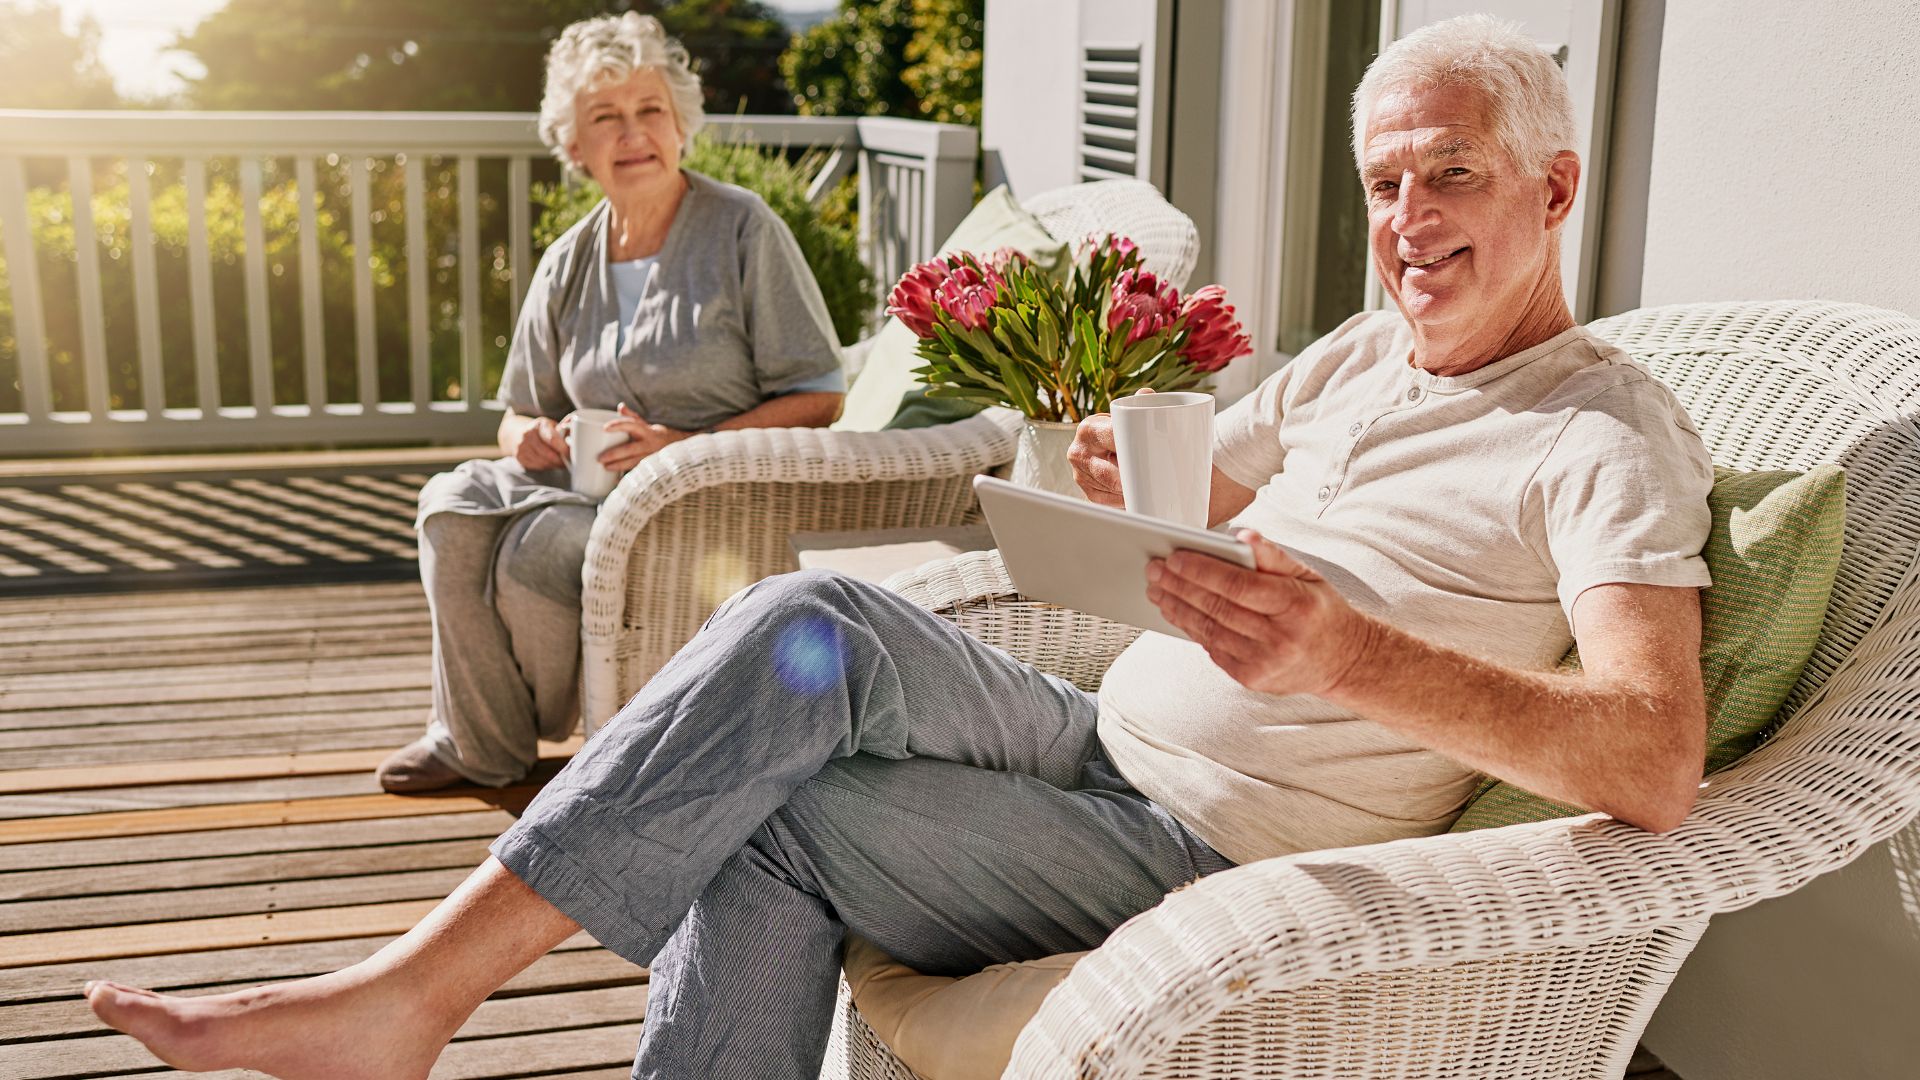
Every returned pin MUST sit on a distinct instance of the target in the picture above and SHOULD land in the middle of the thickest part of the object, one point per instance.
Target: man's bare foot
(343, 1026)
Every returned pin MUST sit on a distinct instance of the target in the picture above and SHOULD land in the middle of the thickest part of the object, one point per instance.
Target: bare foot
(342, 1026)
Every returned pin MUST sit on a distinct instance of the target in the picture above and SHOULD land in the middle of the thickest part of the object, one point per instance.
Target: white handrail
(75, 368)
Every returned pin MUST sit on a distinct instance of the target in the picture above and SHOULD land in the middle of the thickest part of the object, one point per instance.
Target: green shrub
(830, 247)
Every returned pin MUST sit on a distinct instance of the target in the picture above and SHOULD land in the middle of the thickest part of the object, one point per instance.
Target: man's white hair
(607, 49)
(1526, 90)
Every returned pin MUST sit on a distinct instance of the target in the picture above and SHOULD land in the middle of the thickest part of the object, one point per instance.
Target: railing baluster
(146, 287)
(869, 191)
(313, 341)
(93, 319)
(917, 242)
(419, 340)
(470, 392)
(519, 230)
(259, 334)
(23, 274)
(200, 291)
(366, 362)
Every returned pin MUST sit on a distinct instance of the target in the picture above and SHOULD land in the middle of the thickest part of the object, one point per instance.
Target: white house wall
(1786, 153)
(1028, 130)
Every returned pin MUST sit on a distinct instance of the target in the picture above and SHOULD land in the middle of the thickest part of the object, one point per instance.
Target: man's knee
(802, 591)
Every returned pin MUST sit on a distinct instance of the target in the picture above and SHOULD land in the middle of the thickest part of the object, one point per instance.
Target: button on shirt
(1469, 510)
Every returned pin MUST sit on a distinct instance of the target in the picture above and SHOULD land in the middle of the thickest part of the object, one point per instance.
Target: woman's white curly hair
(609, 48)
(1532, 111)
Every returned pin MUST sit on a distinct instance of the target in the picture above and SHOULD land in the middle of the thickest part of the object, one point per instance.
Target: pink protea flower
(1214, 335)
(911, 301)
(967, 295)
(1152, 304)
(1001, 258)
(1094, 245)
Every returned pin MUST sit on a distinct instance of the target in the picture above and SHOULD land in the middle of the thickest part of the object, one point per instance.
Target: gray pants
(827, 756)
(505, 597)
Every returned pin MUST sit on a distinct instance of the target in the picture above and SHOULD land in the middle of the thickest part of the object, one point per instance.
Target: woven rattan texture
(1169, 241)
(1540, 950)
(706, 517)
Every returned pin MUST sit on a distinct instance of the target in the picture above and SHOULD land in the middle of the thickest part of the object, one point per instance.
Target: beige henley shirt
(1470, 510)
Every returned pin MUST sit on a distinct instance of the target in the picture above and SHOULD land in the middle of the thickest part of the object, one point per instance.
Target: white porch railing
(914, 179)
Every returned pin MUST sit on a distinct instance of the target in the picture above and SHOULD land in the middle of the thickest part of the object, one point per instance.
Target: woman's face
(626, 135)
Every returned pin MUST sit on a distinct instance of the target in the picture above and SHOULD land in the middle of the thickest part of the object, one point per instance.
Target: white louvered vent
(1110, 112)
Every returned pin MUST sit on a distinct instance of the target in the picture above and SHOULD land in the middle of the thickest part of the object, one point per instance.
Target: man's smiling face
(1460, 235)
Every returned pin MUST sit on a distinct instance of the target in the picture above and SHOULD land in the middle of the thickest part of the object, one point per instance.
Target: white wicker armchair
(1540, 950)
(710, 515)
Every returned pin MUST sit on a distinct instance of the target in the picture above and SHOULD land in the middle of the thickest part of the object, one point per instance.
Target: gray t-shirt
(1469, 510)
(728, 317)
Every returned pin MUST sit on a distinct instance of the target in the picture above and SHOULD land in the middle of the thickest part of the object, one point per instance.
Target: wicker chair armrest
(1844, 775)
(975, 593)
(775, 455)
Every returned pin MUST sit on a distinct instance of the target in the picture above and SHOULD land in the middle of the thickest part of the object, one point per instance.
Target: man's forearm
(1226, 498)
(1540, 730)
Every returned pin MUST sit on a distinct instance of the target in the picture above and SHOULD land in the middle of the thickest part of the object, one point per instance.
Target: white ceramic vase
(1040, 457)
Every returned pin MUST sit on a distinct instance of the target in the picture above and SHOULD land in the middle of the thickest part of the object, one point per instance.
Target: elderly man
(1463, 487)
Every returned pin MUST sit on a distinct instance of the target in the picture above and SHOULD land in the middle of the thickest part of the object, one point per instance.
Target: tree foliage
(43, 66)
(917, 59)
(478, 55)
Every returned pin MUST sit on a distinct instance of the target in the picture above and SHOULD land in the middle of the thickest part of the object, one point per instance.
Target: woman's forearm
(788, 410)
(512, 427)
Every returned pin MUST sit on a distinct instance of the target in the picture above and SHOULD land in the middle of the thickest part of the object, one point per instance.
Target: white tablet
(1090, 558)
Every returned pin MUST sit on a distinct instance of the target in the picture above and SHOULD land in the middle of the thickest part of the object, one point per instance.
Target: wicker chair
(1535, 951)
(706, 517)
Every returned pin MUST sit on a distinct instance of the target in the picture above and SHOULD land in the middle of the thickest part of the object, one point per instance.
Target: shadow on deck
(186, 790)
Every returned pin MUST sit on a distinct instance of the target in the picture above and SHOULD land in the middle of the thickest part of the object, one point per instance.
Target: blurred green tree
(479, 55)
(47, 66)
(918, 59)
(945, 59)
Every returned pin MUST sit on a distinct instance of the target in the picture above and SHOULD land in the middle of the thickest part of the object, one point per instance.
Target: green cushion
(1774, 548)
(885, 382)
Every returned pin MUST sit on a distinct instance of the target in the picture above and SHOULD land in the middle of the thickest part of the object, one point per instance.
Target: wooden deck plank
(24, 781)
(210, 769)
(280, 812)
(161, 878)
(373, 675)
(521, 1055)
(385, 733)
(50, 804)
(144, 684)
(276, 705)
(26, 918)
(135, 608)
(94, 1049)
(171, 627)
(369, 833)
(118, 660)
(510, 1054)
(564, 971)
(187, 971)
(225, 932)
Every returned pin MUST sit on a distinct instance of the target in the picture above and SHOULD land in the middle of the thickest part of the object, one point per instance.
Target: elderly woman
(679, 301)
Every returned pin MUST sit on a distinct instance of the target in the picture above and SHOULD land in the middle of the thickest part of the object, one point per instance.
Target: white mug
(1165, 446)
(588, 440)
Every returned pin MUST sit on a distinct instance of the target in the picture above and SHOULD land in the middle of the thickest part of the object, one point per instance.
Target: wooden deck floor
(187, 803)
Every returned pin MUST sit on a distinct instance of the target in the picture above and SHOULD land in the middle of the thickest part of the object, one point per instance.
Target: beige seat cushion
(945, 1028)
